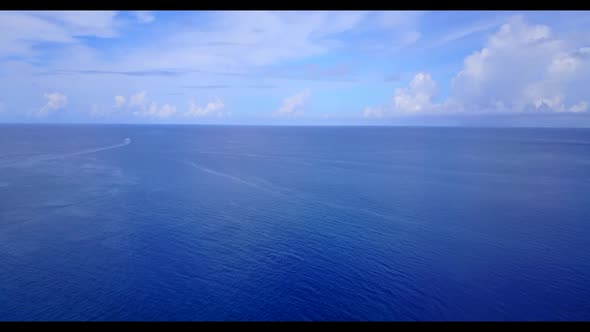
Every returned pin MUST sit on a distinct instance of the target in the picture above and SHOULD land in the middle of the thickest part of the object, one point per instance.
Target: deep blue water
(293, 223)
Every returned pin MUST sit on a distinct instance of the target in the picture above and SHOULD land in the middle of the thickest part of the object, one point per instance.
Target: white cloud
(55, 101)
(220, 41)
(564, 64)
(397, 18)
(294, 104)
(579, 107)
(21, 31)
(153, 111)
(212, 107)
(389, 31)
(238, 40)
(84, 23)
(143, 108)
(415, 99)
(374, 112)
(522, 68)
(466, 31)
(410, 37)
(143, 16)
(119, 101)
(138, 99)
(216, 43)
(166, 111)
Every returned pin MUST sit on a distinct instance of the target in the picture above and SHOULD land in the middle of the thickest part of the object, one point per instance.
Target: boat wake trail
(294, 195)
(230, 177)
(261, 156)
(126, 142)
(304, 161)
(48, 157)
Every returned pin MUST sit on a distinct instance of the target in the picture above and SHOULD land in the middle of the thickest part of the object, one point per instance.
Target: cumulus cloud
(521, 68)
(153, 111)
(138, 99)
(166, 111)
(54, 102)
(143, 16)
(142, 107)
(212, 107)
(416, 98)
(119, 101)
(294, 104)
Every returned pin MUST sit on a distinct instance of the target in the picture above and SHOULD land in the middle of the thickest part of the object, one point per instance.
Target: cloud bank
(522, 68)
(140, 105)
(211, 108)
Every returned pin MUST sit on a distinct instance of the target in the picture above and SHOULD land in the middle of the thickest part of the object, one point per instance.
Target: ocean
(252, 223)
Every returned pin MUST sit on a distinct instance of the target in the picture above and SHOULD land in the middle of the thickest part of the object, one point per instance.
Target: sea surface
(138, 222)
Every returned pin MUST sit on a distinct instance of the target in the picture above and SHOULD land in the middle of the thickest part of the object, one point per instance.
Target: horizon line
(285, 125)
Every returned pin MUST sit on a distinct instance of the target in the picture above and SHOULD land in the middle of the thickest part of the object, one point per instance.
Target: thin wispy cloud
(23, 31)
(140, 73)
(293, 105)
(298, 74)
(143, 16)
(208, 87)
(262, 86)
(225, 86)
(466, 31)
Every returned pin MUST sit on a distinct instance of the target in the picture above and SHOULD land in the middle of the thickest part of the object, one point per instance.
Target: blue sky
(337, 67)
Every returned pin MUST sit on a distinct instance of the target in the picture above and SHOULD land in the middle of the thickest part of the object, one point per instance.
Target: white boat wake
(126, 142)
(228, 176)
(41, 158)
(292, 194)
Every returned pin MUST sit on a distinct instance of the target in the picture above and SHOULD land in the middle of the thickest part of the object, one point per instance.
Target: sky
(493, 68)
